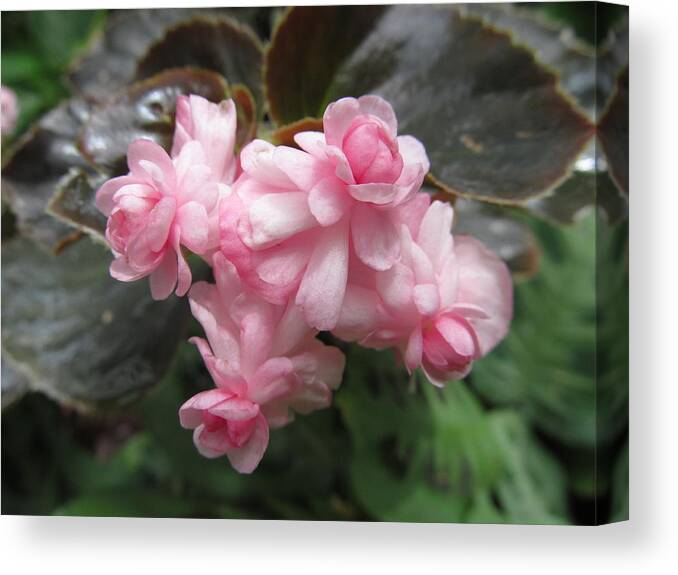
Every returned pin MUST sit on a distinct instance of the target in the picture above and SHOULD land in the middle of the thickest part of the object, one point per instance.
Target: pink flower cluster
(9, 110)
(335, 235)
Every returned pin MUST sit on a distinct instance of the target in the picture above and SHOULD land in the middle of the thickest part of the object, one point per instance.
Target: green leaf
(143, 110)
(127, 503)
(59, 34)
(620, 487)
(550, 365)
(492, 119)
(36, 165)
(221, 45)
(413, 458)
(79, 336)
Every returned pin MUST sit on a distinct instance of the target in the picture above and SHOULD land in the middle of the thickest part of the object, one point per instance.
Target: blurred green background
(515, 442)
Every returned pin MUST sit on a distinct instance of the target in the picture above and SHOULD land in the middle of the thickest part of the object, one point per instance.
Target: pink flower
(9, 110)
(300, 216)
(214, 126)
(160, 206)
(266, 365)
(446, 303)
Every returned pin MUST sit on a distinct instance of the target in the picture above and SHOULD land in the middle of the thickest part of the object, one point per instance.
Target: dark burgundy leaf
(76, 334)
(41, 158)
(218, 44)
(494, 122)
(143, 110)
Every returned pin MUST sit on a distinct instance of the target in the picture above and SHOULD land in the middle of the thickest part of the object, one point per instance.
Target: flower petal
(193, 222)
(328, 201)
(159, 223)
(414, 350)
(300, 167)
(272, 380)
(121, 271)
(275, 217)
(149, 162)
(256, 159)
(164, 277)
(322, 288)
(235, 409)
(245, 459)
(427, 299)
(413, 152)
(375, 238)
(184, 276)
(360, 314)
(435, 232)
(380, 108)
(337, 119)
(211, 444)
(485, 282)
(379, 194)
(190, 413)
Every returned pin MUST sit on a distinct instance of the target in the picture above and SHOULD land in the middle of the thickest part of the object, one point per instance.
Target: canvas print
(350, 263)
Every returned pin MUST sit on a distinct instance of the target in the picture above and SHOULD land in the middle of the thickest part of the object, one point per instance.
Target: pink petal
(283, 264)
(427, 299)
(290, 331)
(459, 335)
(214, 126)
(312, 142)
(485, 282)
(275, 217)
(375, 238)
(413, 152)
(256, 333)
(303, 169)
(338, 118)
(311, 398)
(322, 288)
(226, 277)
(320, 363)
(412, 212)
(184, 277)
(245, 459)
(257, 161)
(164, 277)
(272, 380)
(208, 309)
(211, 444)
(379, 194)
(359, 314)
(415, 258)
(435, 232)
(193, 222)
(190, 413)
(223, 373)
(149, 162)
(159, 223)
(104, 196)
(380, 108)
(414, 350)
(235, 409)
(396, 286)
(121, 271)
(328, 201)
